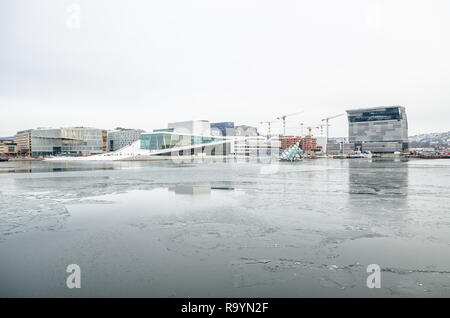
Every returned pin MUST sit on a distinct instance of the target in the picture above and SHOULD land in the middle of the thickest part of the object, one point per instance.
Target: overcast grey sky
(144, 63)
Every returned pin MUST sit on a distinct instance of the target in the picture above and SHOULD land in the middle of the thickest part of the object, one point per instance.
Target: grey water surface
(225, 229)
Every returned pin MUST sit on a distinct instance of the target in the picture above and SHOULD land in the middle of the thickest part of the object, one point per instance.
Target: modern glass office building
(66, 141)
(182, 144)
(379, 129)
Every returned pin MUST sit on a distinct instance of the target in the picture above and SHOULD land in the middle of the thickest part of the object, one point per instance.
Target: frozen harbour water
(225, 229)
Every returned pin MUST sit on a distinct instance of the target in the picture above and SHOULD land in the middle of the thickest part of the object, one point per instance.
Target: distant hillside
(430, 140)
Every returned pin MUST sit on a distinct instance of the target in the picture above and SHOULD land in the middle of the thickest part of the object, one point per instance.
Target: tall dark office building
(379, 129)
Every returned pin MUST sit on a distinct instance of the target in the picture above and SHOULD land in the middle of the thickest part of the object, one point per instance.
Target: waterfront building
(340, 148)
(164, 130)
(255, 146)
(244, 130)
(122, 137)
(163, 145)
(8, 148)
(379, 129)
(73, 141)
(222, 129)
(191, 127)
(229, 129)
(309, 144)
(288, 141)
(23, 141)
(182, 144)
(190, 139)
(105, 140)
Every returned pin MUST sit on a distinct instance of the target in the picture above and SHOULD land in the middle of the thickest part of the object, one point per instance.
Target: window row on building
(378, 129)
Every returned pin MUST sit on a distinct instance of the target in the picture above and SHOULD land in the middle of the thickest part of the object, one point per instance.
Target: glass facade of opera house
(161, 141)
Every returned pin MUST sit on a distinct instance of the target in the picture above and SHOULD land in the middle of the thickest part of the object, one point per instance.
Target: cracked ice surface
(220, 229)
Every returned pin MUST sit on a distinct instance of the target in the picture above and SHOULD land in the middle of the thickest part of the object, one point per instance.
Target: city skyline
(244, 61)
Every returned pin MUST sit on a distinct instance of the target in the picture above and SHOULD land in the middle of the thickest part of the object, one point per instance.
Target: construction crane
(283, 117)
(321, 129)
(311, 128)
(327, 124)
(268, 126)
(307, 141)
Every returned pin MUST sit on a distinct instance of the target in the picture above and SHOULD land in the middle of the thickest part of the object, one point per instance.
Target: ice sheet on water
(19, 215)
(289, 230)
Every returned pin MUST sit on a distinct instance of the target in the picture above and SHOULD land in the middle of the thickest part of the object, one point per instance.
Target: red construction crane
(283, 117)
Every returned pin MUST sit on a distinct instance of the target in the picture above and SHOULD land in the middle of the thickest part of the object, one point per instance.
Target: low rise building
(122, 137)
(8, 148)
(424, 151)
(288, 141)
(255, 146)
(72, 141)
(176, 144)
(340, 148)
(309, 144)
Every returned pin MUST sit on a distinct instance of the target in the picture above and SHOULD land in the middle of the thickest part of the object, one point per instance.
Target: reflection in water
(190, 189)
(44, 166)
(378, 178)
(194, 189)
(378, 192)
(16, 171)
(50, 169)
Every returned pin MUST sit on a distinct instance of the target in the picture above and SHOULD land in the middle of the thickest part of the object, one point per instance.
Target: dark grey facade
(244, 130)
(222, 129)
(379, 129)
